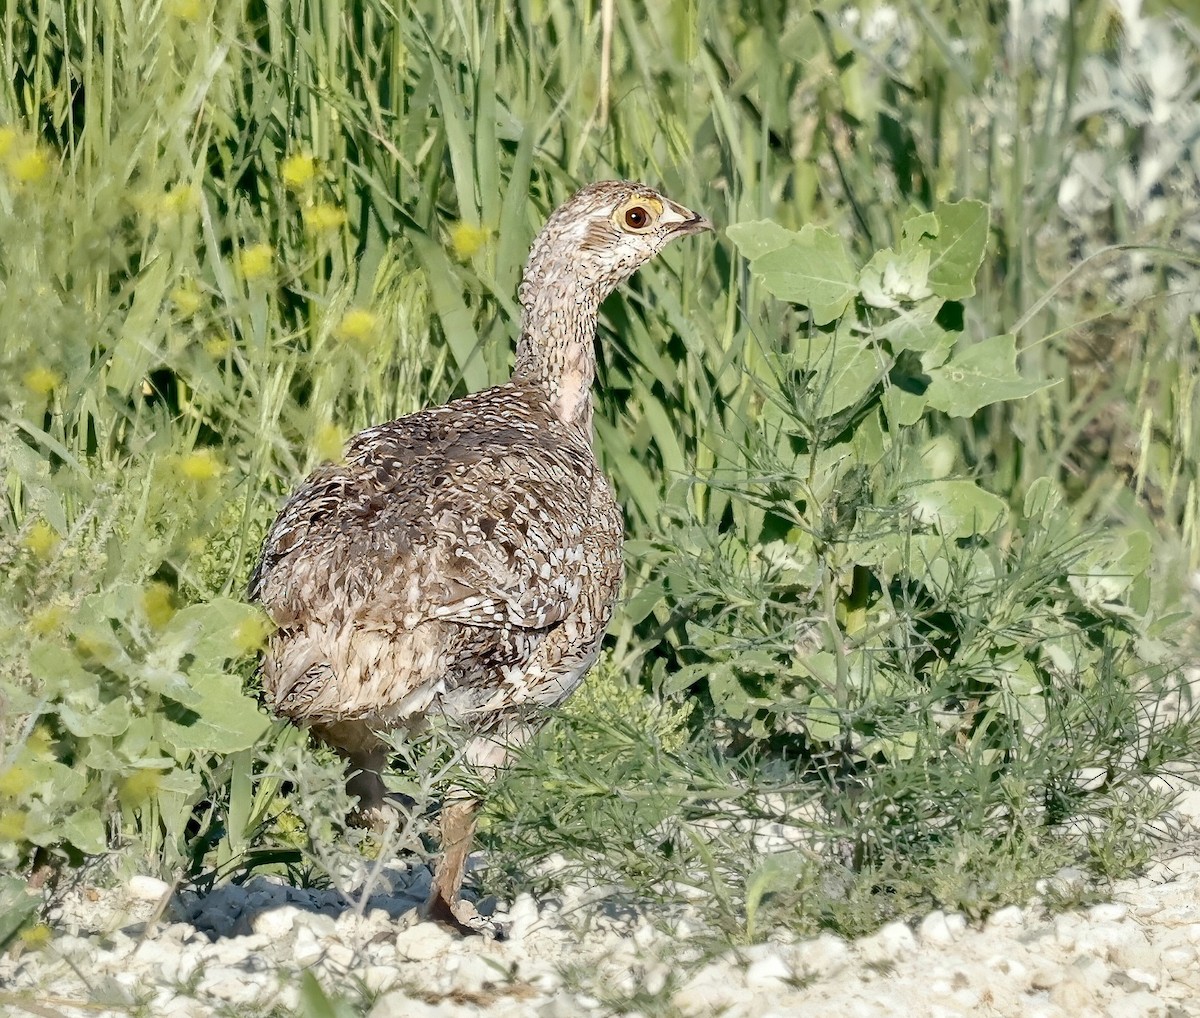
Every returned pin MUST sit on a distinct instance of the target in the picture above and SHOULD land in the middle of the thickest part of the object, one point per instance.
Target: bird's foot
(461, 917)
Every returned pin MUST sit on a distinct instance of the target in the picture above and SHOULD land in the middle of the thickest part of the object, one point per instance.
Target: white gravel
(243, 950)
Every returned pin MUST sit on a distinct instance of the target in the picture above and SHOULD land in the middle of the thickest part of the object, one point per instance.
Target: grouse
(465, 560)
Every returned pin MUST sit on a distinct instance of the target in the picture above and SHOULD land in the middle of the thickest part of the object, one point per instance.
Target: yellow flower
(330, 440)
(299, 171)
(41, 539)
(322, 218)
(177, 200)
(28, 166)
(466, 240)
(156, 603)
(41, 381)
(256, 261)
(35, 936)
(12, 825)
(186, 299)
(357, 326)
(15, 781)
(250, 635)
(217, 345)
(200, 466)
(139, 786)
(186, 10)
(48, 620)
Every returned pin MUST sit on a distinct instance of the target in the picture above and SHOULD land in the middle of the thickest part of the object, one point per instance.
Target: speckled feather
(466, 559)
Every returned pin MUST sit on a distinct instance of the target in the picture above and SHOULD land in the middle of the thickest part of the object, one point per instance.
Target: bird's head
(599, 236)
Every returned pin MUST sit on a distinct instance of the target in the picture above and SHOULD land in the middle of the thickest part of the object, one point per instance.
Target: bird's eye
(637, 218)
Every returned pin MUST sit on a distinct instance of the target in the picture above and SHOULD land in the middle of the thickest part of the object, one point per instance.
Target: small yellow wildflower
(186, 299)
(15, 781)
(217, 345)
(8, 138)
(466, 240)
(186, 10)
(323, 218)
(357, 326)
(12, 825)
(256, 261)
(177, 200)
(250, 635)
(156, 603)
(329, 442)
(299, 171)
(28, 166)
(41, 539)
(139, 786)
(35, 936)
(47, 620)
(200, 466)
(41, 381)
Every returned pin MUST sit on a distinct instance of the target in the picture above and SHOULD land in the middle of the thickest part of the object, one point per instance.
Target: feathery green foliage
(903, 592)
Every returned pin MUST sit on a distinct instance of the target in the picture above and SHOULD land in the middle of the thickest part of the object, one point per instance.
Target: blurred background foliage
(937, 632)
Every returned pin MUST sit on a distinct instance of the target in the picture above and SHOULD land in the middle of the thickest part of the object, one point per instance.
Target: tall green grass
(233, 234)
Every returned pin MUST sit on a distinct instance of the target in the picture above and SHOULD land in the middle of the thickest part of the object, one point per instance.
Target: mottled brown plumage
(465, 560)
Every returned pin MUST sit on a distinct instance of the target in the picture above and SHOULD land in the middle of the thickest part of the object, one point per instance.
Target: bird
(464, 561)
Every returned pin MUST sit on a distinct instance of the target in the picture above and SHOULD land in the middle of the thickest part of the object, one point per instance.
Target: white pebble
(146, 888)
(275, 923)
(1109, 912)
(1006, 918)
(422, 941)
(935, 931)
(770, 972)
(887, 945)
(822, 958)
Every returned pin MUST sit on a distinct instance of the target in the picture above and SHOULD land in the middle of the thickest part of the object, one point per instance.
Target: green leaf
(822, 720)
(17, 906)
(844, 370)
(982, 374)
(84, 829)
(957, 508)
(84, 715)
(220, 719)
(759, 237)
(957, 251)
(813, 269)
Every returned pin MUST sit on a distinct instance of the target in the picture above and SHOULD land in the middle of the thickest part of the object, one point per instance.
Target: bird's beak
(683, 221)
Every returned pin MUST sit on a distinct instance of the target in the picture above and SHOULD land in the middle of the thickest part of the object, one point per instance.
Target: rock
(888, 945)
(422, 942)
(521, 917)
(1140, 1004)
(145, 888)
(275, 923)
(712, 989)
(1006, 918)
(306, 948)
(822, 958)
(770, 972)
(935, 931)
(470, 973)
(1109, 912)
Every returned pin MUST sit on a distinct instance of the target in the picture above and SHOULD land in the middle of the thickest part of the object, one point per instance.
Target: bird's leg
(457, 823)
(366, 756)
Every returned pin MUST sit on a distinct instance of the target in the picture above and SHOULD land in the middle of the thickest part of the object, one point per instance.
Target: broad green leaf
(822, 721)
(778, 871)
(844, 370)
(759, 237)
(957, 251)
(84, 829)
(814, 269)
(222, 719)
(915, 327)
(17, 906)
(956, 508)
(982, 374)
(83, 714)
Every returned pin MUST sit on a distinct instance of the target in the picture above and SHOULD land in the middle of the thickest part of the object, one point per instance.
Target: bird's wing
(488, 528)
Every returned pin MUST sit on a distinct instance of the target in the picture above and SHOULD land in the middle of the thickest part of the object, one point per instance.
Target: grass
(235, 234)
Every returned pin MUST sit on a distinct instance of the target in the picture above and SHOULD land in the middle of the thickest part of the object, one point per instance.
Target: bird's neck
(555, 351)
